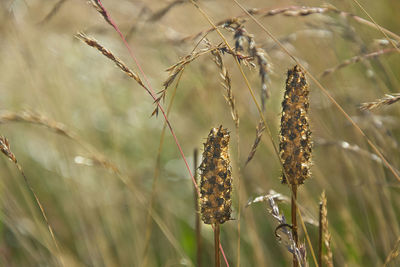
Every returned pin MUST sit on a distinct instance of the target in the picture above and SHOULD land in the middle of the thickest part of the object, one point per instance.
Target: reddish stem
(153, 95)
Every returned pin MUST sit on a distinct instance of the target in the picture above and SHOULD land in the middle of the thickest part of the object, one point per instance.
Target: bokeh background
(65, 108)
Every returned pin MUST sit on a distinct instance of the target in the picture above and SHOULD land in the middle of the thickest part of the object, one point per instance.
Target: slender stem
(216, 245)
(294, 224)
(148, 231)
(320, 236)
(30, 188)
(197, 210)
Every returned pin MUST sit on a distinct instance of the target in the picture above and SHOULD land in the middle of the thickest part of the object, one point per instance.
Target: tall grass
(110, 177)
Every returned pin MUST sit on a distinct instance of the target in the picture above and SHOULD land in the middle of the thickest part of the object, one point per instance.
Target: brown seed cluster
(295, 136)
(216, 180)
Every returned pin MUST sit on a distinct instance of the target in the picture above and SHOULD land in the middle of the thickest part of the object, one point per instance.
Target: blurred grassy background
(100, 221)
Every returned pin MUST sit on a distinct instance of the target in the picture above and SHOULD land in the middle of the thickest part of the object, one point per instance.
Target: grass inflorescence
(230, 61)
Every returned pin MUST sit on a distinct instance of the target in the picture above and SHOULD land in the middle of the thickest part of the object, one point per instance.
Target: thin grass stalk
(239, 196)
(156, 176)
(376, 25)
(303, 226)
(238, 220)
(294, 224)
(197, 211)
(216, 245)
(5, 149)
(53, 11)
(158, 161)
(320, 232)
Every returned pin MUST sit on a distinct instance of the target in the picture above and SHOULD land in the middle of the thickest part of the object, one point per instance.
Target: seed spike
(216, 184)
(295, 135)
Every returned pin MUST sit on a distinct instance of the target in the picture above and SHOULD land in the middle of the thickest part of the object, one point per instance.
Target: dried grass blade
(283, 232)
(241, 37)
(180, 65)
(161, 13)
(99, 7)
(388, 99)
(95, 44)
(53, 11)
(259, 131)
(95, 158)
(393, 254)
(226, 83)
(356, 59)
(38, 119)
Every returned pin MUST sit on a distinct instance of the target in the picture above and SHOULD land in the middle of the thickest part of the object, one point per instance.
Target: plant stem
(320, 235)
(294, 225)
(216, 245)
(197, 210)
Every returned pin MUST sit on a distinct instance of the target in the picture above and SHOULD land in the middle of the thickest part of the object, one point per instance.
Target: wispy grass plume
(387, 100)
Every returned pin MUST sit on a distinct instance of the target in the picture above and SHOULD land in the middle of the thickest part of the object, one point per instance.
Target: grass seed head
(216, 180)
(295, 136)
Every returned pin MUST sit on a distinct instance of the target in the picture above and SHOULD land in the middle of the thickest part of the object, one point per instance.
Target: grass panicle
(216, 184)
(283, 232)
(259, 131)
(326, 236)
(387, 100)
(110, 55)
(216, 178)
(357, 59)
(38, 119)
(94, 157)
(242, 38)
(295, 139)
(226, 83)
(178, 67)
(175, 69)
(295, 135)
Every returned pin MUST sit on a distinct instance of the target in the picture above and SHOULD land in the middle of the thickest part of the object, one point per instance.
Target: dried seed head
(5, 148)
(216, 180)
(295, 136)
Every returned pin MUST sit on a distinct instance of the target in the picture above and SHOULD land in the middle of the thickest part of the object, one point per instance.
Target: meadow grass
(105, 183)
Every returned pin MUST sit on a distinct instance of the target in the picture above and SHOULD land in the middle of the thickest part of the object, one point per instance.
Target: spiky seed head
(295, 135)
(216, 180)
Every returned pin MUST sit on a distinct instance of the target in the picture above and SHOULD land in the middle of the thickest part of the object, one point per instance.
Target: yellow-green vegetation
(96, 165)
